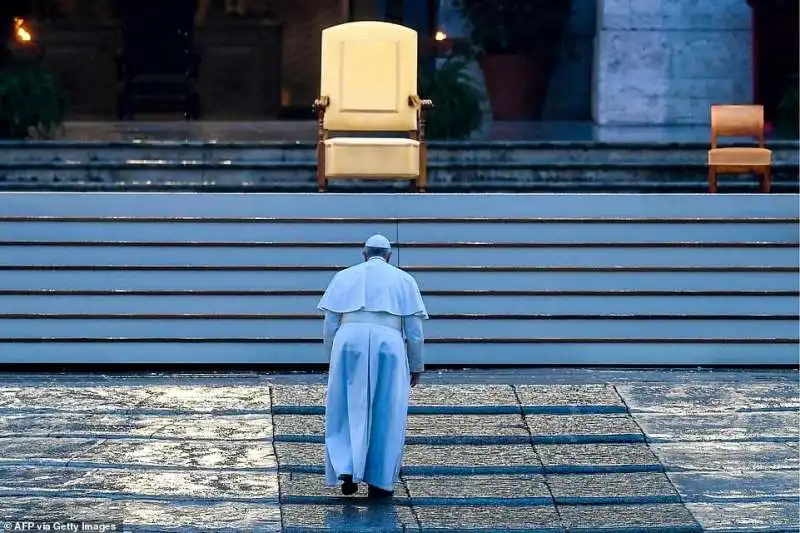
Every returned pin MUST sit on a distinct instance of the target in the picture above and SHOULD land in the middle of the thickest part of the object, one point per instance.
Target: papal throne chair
(368, 84)
(745, 121)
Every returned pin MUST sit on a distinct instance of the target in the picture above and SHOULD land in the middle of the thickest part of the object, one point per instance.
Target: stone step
(630, 177)
(536, 166)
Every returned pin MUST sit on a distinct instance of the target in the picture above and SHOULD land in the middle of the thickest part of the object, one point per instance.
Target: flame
(440, 36)
(21, 32)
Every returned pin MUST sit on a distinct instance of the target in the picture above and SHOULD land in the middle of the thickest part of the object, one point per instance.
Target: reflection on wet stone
(51, 509)
(741, 426)
(96, 399)
(716, 397)
(568, 395)
(581, 425)
(295, 484)
(732, 456)
(617, 516)
(202, 516)
(596, 454)
(751, 516)
(142, 483)
(605, 485)
(484, 486)
(210, 426)
(201, 454)
(297, 395)
(299, 424)
(46, 448)
(720, 486)
(83, 424)
(487, 518)
(463, 395)
(348, 518)
(205, 398)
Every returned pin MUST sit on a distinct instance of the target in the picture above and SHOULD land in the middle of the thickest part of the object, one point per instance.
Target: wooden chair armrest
(321, 104)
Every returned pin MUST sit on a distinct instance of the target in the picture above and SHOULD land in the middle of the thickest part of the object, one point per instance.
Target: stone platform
(514, 450)
(281, 157)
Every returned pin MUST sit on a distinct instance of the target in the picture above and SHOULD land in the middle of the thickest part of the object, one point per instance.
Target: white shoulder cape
(373, 285)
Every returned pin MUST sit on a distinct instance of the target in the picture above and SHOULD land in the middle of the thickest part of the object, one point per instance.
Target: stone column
(664, 62)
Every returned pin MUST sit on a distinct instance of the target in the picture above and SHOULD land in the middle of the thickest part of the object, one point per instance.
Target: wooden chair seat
(740, 156)
(373, 158)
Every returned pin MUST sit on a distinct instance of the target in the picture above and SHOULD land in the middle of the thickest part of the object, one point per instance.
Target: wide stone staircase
(557, 279)
(289, 166)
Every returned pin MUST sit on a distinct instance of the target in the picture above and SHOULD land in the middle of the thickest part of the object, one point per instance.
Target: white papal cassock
(373, 312)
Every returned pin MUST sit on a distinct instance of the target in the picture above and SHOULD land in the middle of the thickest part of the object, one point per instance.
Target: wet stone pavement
(524, 450)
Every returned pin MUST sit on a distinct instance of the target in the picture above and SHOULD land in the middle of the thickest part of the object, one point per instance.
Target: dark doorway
(775, 50)
(157, 66)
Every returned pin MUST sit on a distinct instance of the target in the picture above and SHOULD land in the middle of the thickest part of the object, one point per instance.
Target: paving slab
(298, 395)
(464, 398)
(502, 458)
(726, 456)
(569, 398)
(537, 518)
(300, 454)
(619, 517)
(750, 517)
(299, 487)
(587, 428)
(711, 398)
(595, 458)
(348, 518)
(214, 427)
(108, 482)
(308, 425)
(203, 398)
(45, 448)
(633, 487)
(764, 426)
(466, 429)
(731, 486)
(187, 454)
(522, 489)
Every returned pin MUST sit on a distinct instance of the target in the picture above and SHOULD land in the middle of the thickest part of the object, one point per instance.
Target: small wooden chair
(368, 83)
(739, 120)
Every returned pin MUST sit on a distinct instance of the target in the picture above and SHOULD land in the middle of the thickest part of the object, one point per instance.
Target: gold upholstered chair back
(369, 70)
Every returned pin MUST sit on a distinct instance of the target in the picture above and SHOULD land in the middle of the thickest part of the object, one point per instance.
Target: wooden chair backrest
(737, 120)
(369, 70)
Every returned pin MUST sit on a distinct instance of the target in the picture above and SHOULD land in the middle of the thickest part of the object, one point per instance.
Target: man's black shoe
(348, 487)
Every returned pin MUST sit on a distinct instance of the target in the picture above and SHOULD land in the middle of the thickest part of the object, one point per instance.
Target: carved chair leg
(766, 180)
(422, 182)
(322, 181)
(712, 179)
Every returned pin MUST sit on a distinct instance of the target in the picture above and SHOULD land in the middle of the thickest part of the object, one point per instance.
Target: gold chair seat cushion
(740, 156)
(370, 157)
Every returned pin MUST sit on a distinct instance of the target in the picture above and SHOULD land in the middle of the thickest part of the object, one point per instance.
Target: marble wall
(665, 62)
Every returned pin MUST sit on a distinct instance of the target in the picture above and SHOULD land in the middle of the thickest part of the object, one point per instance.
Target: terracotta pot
(517, 85)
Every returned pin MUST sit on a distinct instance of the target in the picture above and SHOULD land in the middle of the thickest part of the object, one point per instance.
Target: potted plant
(788, 119)
(518, 42)
(31, 102)
(456, 111)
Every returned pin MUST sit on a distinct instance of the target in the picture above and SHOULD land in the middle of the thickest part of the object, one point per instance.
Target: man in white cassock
(373, 339)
